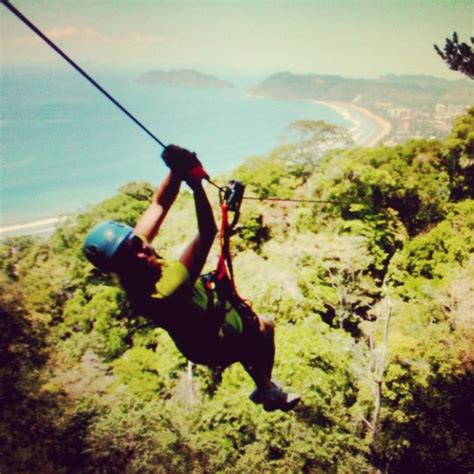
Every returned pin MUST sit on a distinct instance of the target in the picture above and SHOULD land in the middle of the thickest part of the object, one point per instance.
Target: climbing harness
(222, 279)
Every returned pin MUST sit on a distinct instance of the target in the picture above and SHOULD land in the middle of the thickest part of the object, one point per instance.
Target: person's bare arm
(151, 220)
(195, 255)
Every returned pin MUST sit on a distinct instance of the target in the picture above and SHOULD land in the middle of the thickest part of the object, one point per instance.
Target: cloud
(75, 32)
(145, 38)
(66, 32)
(90, 35)
(90, 42)
(140, 39)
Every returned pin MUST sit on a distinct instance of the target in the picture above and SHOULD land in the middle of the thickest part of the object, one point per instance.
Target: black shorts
(221, 346)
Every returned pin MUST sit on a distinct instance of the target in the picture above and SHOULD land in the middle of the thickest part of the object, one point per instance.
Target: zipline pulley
(232, 195)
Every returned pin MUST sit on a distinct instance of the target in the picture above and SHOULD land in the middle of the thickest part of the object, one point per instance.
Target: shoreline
(351, 111)
(348, 111)
(48, 223)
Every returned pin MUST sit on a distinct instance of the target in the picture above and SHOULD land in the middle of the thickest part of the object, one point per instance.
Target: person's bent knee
(266, 325)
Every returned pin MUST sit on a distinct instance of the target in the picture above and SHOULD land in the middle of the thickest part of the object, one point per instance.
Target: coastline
(35, 227)
(351, 112)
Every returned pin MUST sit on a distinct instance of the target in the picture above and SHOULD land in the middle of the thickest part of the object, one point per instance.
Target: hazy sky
(349, 38)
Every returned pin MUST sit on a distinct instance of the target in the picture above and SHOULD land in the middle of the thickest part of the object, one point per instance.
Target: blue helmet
(103, 241)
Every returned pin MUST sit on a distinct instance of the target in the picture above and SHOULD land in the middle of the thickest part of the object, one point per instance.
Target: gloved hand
(184, 163)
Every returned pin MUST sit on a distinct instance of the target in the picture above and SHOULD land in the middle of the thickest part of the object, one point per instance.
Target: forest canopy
(372, 295)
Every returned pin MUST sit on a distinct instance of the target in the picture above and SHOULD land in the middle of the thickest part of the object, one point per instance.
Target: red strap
(224, 264)
(197, 172)
(223, 235)
(224, 269)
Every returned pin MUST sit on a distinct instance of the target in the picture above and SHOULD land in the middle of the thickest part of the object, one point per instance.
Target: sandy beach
(351, 112)
(36, 227)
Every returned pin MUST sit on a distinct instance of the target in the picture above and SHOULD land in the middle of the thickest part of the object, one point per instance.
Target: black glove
(184, 163)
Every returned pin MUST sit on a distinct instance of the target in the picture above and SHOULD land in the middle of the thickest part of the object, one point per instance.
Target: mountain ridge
(418, 90)
(182, 78)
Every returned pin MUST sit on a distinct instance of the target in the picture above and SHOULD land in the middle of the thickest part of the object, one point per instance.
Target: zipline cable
(222, 189)
(81, 71)
(290, 200)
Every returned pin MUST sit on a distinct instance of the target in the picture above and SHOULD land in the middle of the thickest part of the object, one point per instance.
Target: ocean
(65, 146)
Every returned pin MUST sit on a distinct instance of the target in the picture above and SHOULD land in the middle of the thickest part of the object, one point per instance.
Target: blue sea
(65, 146)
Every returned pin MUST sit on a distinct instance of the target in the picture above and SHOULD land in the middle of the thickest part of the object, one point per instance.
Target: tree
(266, 175)
(459, 56)
(366, 183)
(309, 140)
(28, 413)
(458, 157)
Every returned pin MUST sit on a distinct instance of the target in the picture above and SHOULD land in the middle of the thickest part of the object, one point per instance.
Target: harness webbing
(222, 278)
(225, 269)
(221, 281)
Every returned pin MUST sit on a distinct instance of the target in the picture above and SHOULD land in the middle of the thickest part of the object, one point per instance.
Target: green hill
(182, 78)
(412, 91)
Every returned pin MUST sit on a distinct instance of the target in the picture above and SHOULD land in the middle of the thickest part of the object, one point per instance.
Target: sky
(359, 38)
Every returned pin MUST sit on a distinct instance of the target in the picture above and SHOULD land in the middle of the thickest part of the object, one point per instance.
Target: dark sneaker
(257, 395)
(275, 399)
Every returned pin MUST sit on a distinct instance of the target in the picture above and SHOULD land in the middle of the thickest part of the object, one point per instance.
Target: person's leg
(258, 361)
(259, 354)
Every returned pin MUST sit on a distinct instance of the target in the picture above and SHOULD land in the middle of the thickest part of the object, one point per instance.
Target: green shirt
(175, 280)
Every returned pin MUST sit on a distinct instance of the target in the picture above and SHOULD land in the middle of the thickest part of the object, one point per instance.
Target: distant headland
(405, 91)
(182, 78)
(414, 106)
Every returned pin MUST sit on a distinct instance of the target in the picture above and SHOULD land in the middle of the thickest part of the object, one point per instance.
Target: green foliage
(458, 56)
(310, 140)
(408, 179)
(383, 233)
(436, 435)
(458, 157)
(251, 233)
(265, 175)
(426, 388)
(430, 256)
(429, 371)
(97, 314)
(148, 373)
(371, 294)
(12, 252)
(28, 413)
(138, 437)
(335, 279)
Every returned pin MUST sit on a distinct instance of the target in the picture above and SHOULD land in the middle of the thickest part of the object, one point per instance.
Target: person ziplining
(175, 296)
(208, 321)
